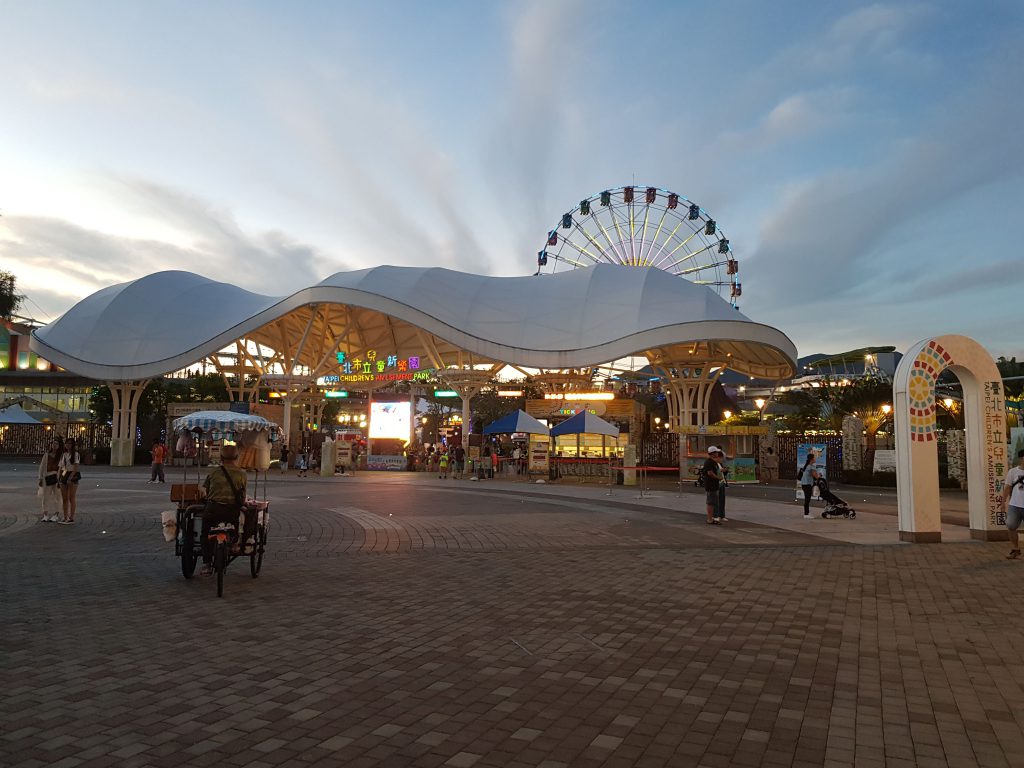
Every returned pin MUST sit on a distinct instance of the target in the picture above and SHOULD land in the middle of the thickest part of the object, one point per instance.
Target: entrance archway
(917, 465)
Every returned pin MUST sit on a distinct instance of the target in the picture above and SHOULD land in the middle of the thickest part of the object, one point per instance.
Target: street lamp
(886, 409)
(727, 414)
(948, 402)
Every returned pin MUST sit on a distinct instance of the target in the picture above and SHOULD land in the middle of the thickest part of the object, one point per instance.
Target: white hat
(714, 449)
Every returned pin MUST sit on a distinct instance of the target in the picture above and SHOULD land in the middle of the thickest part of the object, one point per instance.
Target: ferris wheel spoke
(581, 250)
(683, 244)
(643, 236)
(664, 245)
(654, 240)
(566, 259)
(692, 254)
(597, 245)
(608, 237)
(632, 235)
(618, 231)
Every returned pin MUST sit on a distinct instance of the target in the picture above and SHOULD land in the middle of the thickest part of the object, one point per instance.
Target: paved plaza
(401, 620)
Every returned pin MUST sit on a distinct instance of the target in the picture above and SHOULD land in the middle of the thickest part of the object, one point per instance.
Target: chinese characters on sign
(995, 444)
(389, 368)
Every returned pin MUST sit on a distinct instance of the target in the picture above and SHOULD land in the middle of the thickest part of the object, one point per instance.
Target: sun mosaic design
(930, 362)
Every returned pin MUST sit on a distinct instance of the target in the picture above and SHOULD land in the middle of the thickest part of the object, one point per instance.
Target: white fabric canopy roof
(168, 320)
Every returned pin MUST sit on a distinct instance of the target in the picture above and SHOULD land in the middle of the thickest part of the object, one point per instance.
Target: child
(443, 463)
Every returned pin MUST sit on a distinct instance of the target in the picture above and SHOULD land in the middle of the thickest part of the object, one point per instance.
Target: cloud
(836, 231)
(59, 262)
(871, 36)
(531, 131)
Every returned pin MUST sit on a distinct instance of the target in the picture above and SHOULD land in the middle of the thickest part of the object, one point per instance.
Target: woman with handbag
(68, 476)
(49, 492)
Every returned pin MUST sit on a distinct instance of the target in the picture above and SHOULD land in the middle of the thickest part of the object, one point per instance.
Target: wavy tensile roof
(169, 320)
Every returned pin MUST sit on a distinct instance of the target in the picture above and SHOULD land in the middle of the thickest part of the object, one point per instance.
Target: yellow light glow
(948, 402)
(759, 402)
(657, 419)
(576, 397)
(727, 414)
(510, 393)
(886, 408)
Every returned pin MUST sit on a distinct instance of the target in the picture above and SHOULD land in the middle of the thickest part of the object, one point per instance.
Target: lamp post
(760, 403)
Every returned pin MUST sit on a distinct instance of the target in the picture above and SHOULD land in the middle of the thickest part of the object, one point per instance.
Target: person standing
(459, 456)
(159, 453)
(723, 473)
(442, 463)
(1013, 504)
(807, 477)
(769, 466)
(283, 464)
(68, 476)
(712, 483)
(49, 469)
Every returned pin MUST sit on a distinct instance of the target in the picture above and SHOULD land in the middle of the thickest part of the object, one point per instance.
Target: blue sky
(866, 160)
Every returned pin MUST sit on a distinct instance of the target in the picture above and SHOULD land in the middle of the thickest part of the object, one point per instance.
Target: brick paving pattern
(404, 623)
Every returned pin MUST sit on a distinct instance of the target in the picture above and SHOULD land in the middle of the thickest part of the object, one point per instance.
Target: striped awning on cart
(223, 421)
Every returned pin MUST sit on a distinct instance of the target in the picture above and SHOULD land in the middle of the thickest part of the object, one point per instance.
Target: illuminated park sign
(377, 369)
(334, 393)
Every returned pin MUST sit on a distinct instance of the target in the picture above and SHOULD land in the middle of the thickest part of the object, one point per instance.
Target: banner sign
(386, 463)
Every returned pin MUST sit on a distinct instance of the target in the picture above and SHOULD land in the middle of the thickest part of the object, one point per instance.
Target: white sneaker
(807, 517)
(50, 519)
(724, 519)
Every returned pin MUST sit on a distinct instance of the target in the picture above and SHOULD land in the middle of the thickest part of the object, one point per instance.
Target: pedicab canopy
(519, 421)
(223, 421)
(585, 423)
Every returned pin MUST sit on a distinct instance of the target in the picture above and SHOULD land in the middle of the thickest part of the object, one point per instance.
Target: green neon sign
(332, 393)
(445, 393)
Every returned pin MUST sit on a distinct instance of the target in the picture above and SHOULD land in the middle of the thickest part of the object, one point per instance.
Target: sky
(865, 159)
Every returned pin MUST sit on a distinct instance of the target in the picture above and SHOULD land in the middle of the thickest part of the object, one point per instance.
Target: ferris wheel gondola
(644, 227)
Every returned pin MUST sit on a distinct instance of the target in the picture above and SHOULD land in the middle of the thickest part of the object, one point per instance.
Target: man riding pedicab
(224, 491)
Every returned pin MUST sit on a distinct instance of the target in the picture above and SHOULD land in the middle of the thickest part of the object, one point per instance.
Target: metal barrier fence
(31, 439)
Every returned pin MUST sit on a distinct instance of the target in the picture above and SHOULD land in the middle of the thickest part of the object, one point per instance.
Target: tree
(1011, 368)
(10, 299)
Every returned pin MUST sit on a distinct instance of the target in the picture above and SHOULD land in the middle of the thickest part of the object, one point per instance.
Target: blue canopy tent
(15, 414)
(517, 421)
(586, 423)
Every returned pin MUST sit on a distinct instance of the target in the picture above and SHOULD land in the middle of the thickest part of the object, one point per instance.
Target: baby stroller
(834, 506)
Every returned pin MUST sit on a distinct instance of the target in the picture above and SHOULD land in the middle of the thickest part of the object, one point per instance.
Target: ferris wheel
(644, 227)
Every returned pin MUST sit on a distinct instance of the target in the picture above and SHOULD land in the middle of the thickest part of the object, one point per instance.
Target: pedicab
(252, 435)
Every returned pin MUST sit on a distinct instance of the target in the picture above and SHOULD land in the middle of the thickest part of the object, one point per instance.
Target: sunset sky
(866, 160)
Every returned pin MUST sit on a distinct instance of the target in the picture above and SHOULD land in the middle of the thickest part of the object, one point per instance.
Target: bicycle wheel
(188, 550)
(220, 563)
(256, 558)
